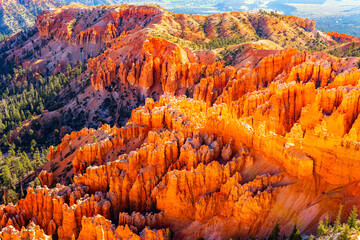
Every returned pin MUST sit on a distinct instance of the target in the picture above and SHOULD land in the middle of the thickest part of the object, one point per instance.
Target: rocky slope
(137, 52)
(18, 15)
(222, 142)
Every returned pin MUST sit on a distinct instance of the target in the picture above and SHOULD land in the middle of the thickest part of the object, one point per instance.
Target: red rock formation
(140, 221)
(31, 232)
(197, 195)
(46, 178)
(99, 227)
(342, 37)
(106, 72)
(272, 140)
(194, 167)
(350, 77)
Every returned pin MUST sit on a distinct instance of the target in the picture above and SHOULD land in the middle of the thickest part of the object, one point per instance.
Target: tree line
(24, 95)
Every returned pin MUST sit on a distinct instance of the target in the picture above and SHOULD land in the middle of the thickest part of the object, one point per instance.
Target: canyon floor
(187, 126)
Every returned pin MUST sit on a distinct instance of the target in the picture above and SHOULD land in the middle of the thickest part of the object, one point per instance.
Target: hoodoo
(185, 126)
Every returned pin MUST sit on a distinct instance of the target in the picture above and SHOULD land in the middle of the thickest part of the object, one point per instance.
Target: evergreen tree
(5, 140)
(37, 161)
(12, 196)
(21, 191)
(19, 168)
(2, 127)
(36, 182)
(11, 152)
(295, 234)
(275, 232)
(169, 234)
(32, 145)
(6, 175)
(26, 162)
(40, 108)
(327, 221)
(337, 224)
(322, 229)
(345, 234)
(352, 220)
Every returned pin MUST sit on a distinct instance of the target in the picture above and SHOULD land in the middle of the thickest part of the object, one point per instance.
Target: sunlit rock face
(255, 142)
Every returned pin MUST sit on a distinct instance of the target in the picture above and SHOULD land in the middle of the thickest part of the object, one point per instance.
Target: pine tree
(22, 115)
(68, 67)
(40, 109)
(295, 234)
(337, 225)
(352, 220)
(19, 168)
(2, 126)
(36, 182)
(37, 162)
(12, 196)
(32, 145)
(327, 221)
(80, 67)
(6, 175)
(5, 140)
(345, 234)
(322, 229)
(26, 161)
(275, 232)
(44, 153)
(169, 234)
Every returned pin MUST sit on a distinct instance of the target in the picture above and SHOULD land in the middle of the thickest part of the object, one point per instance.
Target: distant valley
(331, 15)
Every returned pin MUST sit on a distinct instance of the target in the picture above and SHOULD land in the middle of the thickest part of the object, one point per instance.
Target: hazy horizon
(331, 15)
